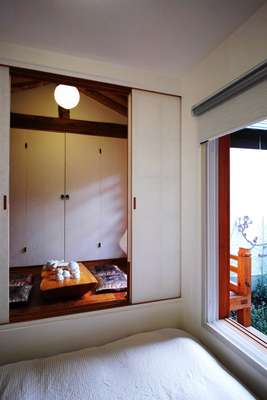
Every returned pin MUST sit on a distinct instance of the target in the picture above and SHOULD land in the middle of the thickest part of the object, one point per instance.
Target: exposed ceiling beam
(38, 123)
(69, 80)
(105, 100)
(25, 85)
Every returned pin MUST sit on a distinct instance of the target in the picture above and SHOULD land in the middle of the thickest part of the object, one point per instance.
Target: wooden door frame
(224, 225)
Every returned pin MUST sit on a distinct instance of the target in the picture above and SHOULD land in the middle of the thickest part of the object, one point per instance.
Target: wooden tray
(51, 288)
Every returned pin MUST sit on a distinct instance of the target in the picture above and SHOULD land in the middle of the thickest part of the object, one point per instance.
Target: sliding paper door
(4, 192)
(156, 192)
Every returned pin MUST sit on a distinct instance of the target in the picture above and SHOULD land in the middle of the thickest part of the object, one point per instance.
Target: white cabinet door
(4, 191)
(113, 196)
(37, 210)
(156, 187)
(18, 197)
(96, 181)
(82, 217)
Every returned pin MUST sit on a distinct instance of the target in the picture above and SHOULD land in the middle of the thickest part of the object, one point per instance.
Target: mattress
(166, 364)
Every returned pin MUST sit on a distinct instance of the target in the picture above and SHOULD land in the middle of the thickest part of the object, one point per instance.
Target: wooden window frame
(224, 224)
(224, 145)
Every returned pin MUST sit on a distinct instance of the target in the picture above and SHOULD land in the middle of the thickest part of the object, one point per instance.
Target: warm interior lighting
(67, 96)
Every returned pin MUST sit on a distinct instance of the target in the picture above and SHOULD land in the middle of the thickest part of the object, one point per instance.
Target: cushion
(110, 278)
(19, 294)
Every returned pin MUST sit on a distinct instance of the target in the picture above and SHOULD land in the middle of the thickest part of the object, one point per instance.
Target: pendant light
(67, 96)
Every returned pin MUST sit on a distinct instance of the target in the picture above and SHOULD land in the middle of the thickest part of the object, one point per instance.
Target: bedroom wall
(245, 48)
(45, 337)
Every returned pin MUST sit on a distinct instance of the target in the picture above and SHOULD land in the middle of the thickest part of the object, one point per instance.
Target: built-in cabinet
(92, 172)
(68, 197)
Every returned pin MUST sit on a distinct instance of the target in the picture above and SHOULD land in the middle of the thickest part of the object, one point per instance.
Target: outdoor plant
(259, 293)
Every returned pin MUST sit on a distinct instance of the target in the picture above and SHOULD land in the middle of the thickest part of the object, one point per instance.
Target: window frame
(233, 335)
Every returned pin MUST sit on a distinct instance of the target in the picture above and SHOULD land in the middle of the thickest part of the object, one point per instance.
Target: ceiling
(166, 36)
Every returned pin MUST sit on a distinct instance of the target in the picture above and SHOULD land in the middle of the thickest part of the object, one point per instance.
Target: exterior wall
(242, 50)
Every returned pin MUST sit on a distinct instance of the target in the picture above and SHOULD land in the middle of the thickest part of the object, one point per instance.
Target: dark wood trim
(68, 80)
(31, 84)
(224, 225)
(36, 122)
(105, 100)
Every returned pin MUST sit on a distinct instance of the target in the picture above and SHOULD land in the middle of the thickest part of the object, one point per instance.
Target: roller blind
(234, 107)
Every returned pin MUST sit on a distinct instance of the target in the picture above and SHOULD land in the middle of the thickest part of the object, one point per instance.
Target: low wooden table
(52, 288)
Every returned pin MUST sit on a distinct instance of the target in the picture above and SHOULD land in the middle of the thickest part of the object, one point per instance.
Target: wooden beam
(26, 85)
(105, 100)
(224, 226)
(34, 122)
(68, 80)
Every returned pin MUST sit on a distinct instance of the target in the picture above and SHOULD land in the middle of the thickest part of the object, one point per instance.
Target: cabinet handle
(134, 203)
(65, 196)
(5, 202)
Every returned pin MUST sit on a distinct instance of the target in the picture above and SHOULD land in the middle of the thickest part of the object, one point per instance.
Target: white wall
(241, 51)
(82, 67)
(45, 337)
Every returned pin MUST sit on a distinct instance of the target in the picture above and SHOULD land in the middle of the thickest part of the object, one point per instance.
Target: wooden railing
(240, 291)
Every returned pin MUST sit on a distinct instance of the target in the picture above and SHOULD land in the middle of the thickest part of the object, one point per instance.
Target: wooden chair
(240, 291)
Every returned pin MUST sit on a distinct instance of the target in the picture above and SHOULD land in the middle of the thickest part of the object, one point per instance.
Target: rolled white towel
(66, 274)
(59, 277)
(76, 275)
(74, 266)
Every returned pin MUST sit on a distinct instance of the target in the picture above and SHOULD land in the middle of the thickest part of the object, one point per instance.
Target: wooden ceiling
(112, 96)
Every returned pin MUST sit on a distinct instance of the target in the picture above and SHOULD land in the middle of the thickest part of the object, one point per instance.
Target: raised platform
(38, 307)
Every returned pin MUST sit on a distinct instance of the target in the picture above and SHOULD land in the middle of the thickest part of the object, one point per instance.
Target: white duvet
(163, 365)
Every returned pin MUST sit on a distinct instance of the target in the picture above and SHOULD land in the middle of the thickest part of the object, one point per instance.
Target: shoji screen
(156, 187)
(4, 191)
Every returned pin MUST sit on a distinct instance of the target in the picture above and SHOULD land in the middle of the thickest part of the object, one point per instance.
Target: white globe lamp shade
(67, 96)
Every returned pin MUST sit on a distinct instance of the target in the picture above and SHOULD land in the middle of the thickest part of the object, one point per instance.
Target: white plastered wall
(45, 337)
(245, 48)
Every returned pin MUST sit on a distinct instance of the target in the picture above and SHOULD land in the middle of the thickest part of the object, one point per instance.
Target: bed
(166, 364)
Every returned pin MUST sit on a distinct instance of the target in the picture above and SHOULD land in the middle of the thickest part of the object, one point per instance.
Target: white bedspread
(163, 365)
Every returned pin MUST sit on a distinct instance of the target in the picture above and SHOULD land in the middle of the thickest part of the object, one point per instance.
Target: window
(242, 166)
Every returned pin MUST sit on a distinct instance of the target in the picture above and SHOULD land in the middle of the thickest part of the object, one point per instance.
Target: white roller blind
(236, 113)
(156, 187)
(4, 191)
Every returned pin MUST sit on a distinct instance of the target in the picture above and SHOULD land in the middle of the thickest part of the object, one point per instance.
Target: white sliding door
(113, 196)
(156, 187)
(4, 192)
(37, 210)
(82, 229)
